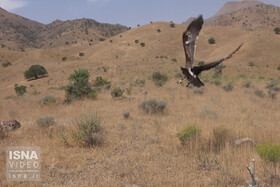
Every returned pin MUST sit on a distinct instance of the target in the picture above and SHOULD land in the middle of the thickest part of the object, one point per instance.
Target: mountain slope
(257, 17)
(17, 32)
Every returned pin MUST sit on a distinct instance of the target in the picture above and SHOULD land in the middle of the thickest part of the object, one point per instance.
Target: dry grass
(144, 149)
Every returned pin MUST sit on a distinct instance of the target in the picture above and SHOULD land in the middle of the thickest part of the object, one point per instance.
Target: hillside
(17, 32)
(252, 16)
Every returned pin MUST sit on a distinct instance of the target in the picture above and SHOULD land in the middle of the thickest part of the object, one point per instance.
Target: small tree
(211, 40)
(78, 85)
(35, 71)
(20, 90)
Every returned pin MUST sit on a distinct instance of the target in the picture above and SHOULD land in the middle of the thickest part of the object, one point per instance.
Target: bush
(172, 25)
(102, 39)
(78, 85)
(227, 87)
(277, 30)
(89, 131)
(142, 44)
(81, 54)
(269, 152)
(136, 41)
(217, 82)
(99, 81)
(117, 92)
(220, 136)
(49, 100)
(45, 121)
(126, 114)
(247, 85)
(158, 30)
(6, 64)
(159, 79)
(93, 94)
(174, 60)
(211, 40)
(20, 90)
(259, 93)
(35, 71)
(278, 68)
(153, 106)
(188, 134)
(64, 58)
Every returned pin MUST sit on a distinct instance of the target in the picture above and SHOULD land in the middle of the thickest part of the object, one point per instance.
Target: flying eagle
(190, 36)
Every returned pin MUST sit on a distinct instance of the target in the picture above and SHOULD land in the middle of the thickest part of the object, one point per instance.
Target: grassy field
(144, 148)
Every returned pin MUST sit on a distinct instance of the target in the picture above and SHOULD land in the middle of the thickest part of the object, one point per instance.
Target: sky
(126, 12)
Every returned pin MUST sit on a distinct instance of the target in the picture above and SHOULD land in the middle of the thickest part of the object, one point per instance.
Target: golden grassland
(144, 149)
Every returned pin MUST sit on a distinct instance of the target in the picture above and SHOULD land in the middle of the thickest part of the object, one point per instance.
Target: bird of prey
(190, 71)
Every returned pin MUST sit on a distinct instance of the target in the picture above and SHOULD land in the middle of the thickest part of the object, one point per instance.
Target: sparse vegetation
(227, 87)
(89, 132)
(126, 115)
(189, 133)
(172, 25)
(278, 68)
(117, 92)
(136, 41)
(100, 82)
(20, 90)
(35, 71)
(48, 100)
(220, 137)
(259, 93)
(158, 30)
(200, 63)
(198, 91)
(45, 121)
(159, 79)
(102, 39)
(6, 64)
(211, 40)
(153, 106)
(81, 54)
(64, 58)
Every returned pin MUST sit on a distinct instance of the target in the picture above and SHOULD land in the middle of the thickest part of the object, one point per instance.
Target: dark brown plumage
(190, 36)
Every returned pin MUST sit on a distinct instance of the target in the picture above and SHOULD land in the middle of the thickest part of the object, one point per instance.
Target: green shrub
(81, 54)
(159, 79)
(126, 114)
(64, 58)
(178, 76)
(259, 93)
(117, 92)
(35, 71)
(93, 94)
(247, 85)
(99, 81)
(208, 112)
(20, 90)
(89, 132)
(227, 87)
(153, 106)
(142, 44)
(158, 30)
(269, 152)
(188, 133)
(211, 40)
(136, 41)
(49, 100)
(102, 39)
(277, 30)
(217, 82)
(78, 85)
(140, 83)
(45, 121)
(66, 43)
(278, 68)
(6, 64)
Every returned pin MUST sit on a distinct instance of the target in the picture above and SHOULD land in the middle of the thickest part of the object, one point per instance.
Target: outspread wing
(216, 63)
(189, 40)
